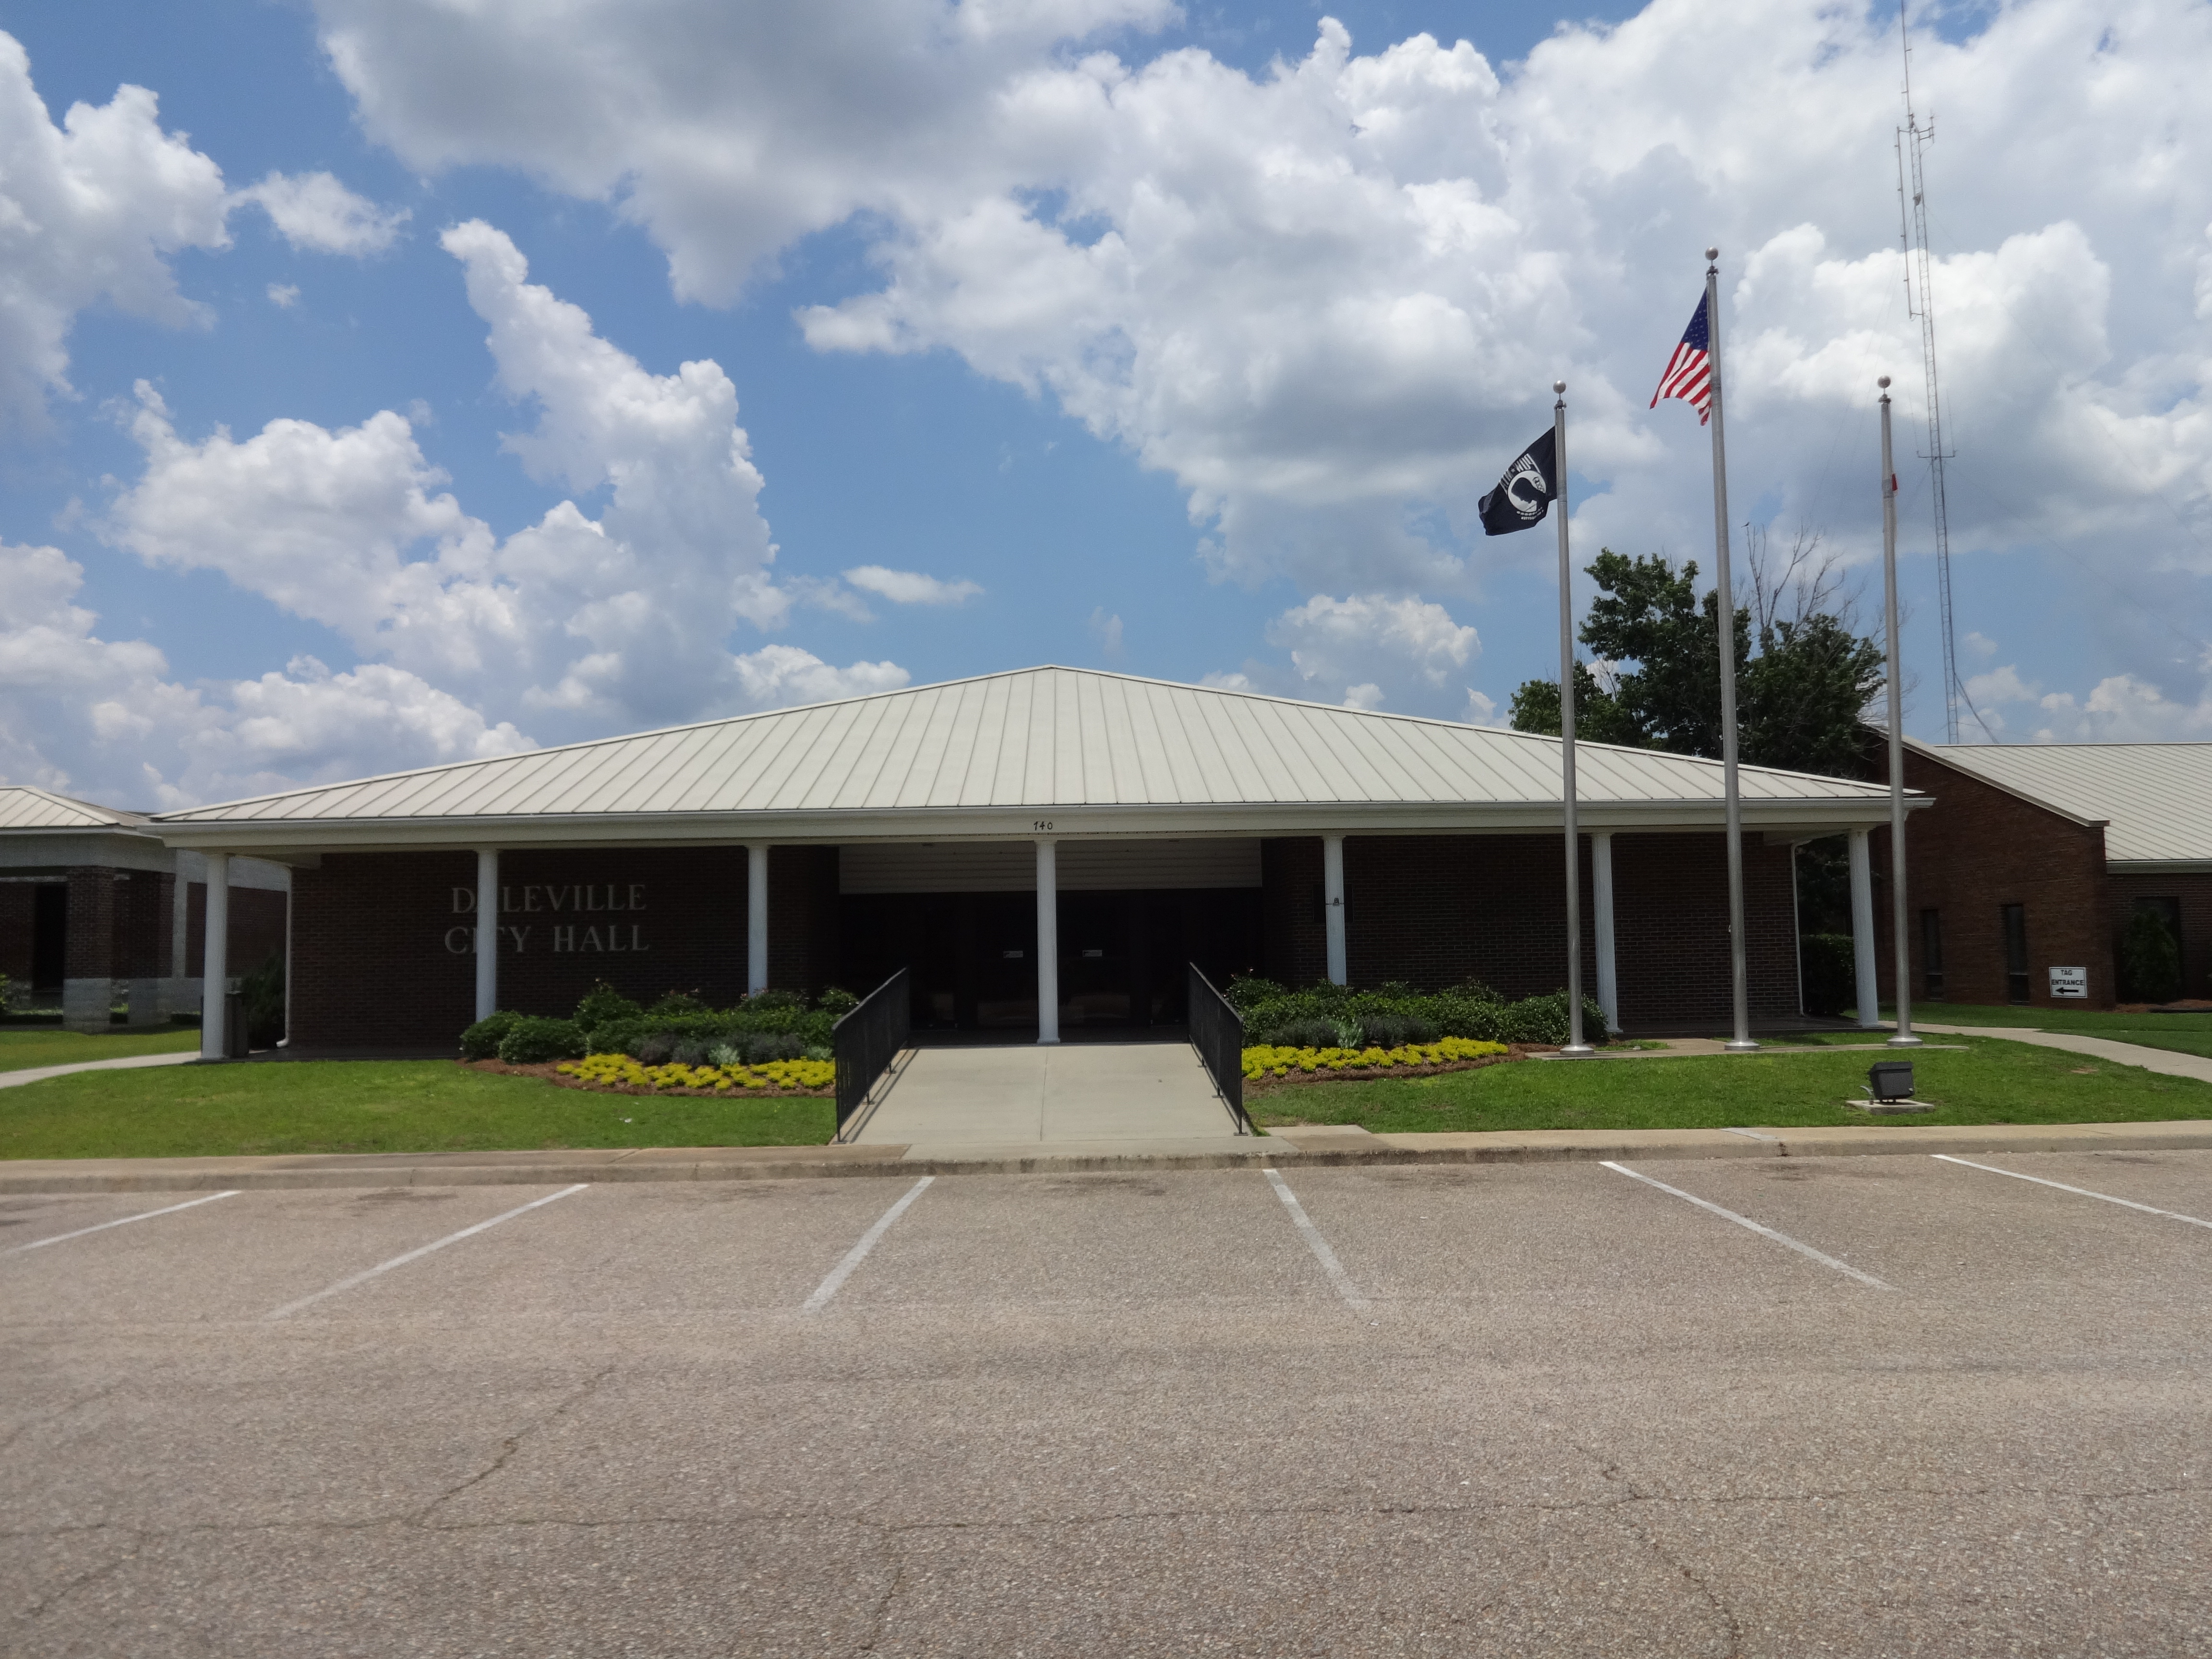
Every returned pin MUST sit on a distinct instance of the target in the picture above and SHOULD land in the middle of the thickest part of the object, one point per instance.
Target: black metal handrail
(868, 1039)
(1217, 1032)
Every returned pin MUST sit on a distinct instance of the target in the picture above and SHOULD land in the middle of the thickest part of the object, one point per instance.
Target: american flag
(1689, 373)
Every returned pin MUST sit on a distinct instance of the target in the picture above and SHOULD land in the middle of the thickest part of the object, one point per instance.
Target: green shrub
(482, 1040)
(1828, 966)
(264, 992)
(2150, 958)
(1248, 990)
(770, 999)
(603, 1005)
(837, 1003)
(531, 1041)
(678, 1002)
(1320, 1015)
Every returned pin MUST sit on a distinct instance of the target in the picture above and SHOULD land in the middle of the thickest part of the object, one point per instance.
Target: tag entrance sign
(2070, 983)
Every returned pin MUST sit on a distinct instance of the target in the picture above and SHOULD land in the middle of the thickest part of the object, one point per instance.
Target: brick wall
(93, 909)
(803, 928)
(18, 921)
(2194, 893)
(1975, 850)
(383, 942)
(256, 928)
(1293, 939)
(143, 938)
(1433, 911)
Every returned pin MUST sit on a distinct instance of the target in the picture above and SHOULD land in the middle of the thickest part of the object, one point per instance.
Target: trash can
(234, 1026)
(1890, 1080)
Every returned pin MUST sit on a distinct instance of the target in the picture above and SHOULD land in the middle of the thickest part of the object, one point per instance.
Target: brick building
(2035, 857)
(1041, 850)
(96, 913)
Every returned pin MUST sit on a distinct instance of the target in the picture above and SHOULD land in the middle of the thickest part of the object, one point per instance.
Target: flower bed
(622, 1074)
(1265, 1064)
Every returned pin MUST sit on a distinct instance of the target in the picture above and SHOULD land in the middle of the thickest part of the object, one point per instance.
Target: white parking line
(2171, 1215)
(859, 1253)
(417, 1254)
(1316, 1243)
(1805, 1250)
(146, 1215)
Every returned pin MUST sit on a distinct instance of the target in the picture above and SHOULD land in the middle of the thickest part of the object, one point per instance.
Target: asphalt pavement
(1838, 1406)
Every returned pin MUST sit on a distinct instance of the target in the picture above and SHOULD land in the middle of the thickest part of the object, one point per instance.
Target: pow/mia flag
(1526, 491)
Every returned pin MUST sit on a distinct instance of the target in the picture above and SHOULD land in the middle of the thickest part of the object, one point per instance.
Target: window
(2015, 950)
(1931, 955)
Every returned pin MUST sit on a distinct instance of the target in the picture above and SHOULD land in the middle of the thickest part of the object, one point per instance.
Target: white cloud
(1480, 710)
(89, 211)
(2124, 709)
(1328, 298)
(910, 587)
(1370, 651)
(283, 295)
(569, 627)
(776, 676)
(313, 210)
(1106, 628)
(102, 718)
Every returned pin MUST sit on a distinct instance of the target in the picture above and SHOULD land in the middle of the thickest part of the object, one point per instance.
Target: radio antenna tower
(1919, 301)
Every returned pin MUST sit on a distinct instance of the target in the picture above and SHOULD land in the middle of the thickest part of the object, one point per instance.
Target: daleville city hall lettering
(574, 899)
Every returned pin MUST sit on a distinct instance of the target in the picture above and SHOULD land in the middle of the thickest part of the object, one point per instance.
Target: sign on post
(2070, 983)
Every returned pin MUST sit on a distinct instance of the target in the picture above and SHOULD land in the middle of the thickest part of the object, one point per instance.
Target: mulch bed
(1372, 1074)
(546, 1071)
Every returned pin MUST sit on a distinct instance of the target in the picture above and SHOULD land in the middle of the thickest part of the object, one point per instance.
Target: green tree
(1656, 682)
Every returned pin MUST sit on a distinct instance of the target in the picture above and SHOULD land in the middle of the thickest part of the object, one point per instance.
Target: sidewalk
(127, 1063)
(1325, 1145)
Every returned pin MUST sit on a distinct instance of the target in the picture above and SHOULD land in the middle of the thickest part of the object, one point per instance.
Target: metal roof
(2155, 799)
(1037, 740)
(24, 807)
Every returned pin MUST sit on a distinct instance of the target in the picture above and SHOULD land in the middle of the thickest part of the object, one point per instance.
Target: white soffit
(1036, 739)
(2155, 798)
(1080, 866)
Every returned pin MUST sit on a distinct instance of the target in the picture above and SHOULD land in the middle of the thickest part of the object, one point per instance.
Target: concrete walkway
(128, 1063)
(2165, 1061)
(1067, 1095)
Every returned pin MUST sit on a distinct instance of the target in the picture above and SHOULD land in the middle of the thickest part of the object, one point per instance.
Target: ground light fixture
(1890, 1080)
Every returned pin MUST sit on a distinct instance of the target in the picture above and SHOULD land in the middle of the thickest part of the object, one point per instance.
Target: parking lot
(1915, 1405)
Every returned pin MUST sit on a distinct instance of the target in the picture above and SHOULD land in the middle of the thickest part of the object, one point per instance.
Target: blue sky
(1179, 341)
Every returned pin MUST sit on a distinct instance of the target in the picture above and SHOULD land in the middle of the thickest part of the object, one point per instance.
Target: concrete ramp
(1060, 1094)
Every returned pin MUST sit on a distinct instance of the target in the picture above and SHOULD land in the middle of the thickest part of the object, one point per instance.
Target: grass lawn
(1992, 1082)
(2186, 1034)
(49, 1045)
(371, 1106)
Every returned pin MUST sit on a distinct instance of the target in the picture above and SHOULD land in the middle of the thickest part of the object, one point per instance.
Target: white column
(1332, 900)
(1608, 980)
(487, 932)
(1870, 993)
(175, 998)
(214, 965)
(755, 920)
(1047, 945)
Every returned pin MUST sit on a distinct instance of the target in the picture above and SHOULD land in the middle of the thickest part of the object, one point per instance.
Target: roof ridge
(1335, 711)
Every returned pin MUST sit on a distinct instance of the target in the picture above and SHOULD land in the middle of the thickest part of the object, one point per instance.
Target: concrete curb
(1324, 1148)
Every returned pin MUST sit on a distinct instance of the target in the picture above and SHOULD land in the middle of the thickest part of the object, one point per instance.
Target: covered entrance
(1130, 917)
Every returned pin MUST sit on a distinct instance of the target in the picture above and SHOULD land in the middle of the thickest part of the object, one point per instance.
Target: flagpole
(1903, 1039)
(1575, 1048)
(1732, 807)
